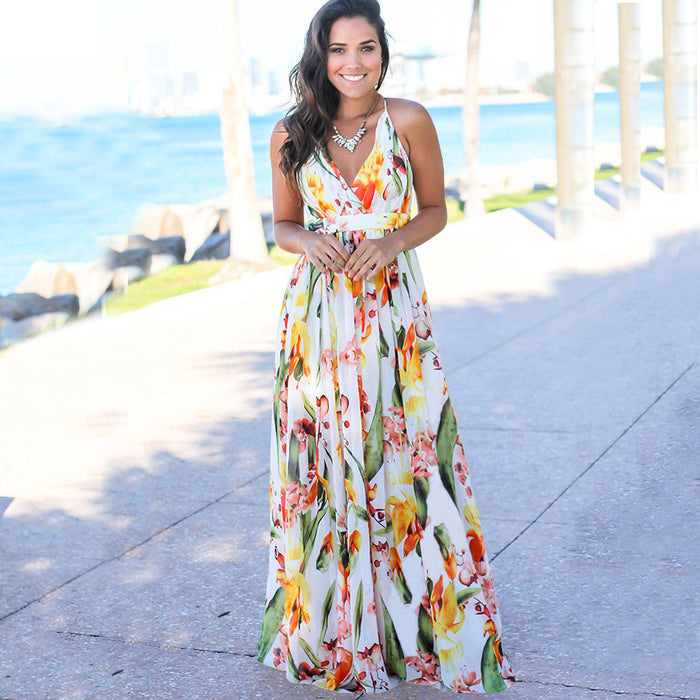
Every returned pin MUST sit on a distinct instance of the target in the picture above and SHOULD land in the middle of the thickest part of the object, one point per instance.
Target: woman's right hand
(325, 251)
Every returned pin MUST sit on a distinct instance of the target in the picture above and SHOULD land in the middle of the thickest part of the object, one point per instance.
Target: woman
(377, 570)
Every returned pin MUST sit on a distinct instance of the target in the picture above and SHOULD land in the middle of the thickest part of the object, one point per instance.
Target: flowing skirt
(377, 568)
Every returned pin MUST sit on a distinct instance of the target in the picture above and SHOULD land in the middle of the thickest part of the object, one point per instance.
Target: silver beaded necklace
(351, 143)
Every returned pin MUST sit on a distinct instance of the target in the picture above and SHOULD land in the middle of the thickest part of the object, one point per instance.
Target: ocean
(66, 187)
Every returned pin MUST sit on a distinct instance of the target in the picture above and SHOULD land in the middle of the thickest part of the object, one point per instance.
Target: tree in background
(247, 237)
(611, 76)
(655, 67)
(544, 84)
(470, 119)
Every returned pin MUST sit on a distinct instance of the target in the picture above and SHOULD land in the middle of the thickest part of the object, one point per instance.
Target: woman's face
(354, 56)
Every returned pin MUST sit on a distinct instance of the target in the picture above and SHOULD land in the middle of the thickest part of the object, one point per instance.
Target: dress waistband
(365, 222)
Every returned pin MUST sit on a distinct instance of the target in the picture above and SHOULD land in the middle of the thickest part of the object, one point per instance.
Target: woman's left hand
(370, 257)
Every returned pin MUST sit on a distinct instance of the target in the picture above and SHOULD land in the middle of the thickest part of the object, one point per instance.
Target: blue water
(64, 188)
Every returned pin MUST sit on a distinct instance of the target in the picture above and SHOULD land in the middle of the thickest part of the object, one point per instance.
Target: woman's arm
(325, 252)
(419, 135)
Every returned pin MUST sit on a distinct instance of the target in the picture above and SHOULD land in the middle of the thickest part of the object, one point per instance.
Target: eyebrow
(340, 43)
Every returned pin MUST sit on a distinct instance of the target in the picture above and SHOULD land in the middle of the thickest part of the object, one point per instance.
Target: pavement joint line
(563, 431)
(165, 647)
(634, 693)
(126, 551)
(597, 459)
(537, 324)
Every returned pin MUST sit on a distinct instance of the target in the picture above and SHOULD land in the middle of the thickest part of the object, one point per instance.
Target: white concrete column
(680, 18)
(574, 94)
(630, 88)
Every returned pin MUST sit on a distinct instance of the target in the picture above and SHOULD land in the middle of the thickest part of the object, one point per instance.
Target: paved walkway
(133, 470)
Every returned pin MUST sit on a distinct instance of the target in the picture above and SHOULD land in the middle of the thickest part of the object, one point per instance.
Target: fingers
(341, 254)
(366, 261)
(329, 254)
(369, 270)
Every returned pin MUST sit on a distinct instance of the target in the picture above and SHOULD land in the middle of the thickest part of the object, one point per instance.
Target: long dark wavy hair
(308, 122)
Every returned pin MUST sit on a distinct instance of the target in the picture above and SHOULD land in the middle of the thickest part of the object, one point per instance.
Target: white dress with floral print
(378, 568)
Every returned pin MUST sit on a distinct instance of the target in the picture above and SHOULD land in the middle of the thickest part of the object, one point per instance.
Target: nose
(354, 57)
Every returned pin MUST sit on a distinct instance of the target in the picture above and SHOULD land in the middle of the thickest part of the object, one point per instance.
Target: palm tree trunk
(247, 237)
(470, 119)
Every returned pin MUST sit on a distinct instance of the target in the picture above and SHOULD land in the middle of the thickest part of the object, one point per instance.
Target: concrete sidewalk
(135, 453)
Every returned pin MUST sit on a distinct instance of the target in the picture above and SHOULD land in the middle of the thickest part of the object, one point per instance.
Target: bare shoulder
(279, 127)
(407, 113)
(410, 119)
(278, 136)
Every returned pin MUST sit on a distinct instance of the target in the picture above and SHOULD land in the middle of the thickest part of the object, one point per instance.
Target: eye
(336, 49)
(368, 48)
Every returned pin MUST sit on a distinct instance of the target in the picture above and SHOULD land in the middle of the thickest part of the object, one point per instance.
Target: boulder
(157, 221)
(199, 223)
(162, 261)
(266, 215)
(217, 247)
(607, 153)
(653, 138)
(138, 257)
(47, 278)
(17, 306)
(89, 280)
(540, 172)
(123, 276)
(224, 221)
(171, 245)
(12, 331)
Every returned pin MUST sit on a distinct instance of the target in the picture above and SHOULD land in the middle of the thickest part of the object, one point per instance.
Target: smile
(353, 78)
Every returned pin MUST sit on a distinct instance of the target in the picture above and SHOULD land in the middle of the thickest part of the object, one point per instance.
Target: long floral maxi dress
(377, 568)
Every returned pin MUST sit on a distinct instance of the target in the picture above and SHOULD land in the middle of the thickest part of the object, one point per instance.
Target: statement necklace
(350, 144)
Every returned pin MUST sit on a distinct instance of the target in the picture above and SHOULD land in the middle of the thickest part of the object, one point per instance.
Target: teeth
(353, 78)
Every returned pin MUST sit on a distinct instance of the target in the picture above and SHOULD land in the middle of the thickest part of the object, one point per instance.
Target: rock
(139, 257)
(452, 192)
(17, 306)
(609, 153)
(161, 262)
(157, 221)
(89, 280)
(524, 177)
(123, 276)
(217, 246)
(47, 279)
(12, 331)
(266, 214)
(171, 245)
(653, 138)
(199, 223)
(224, 221)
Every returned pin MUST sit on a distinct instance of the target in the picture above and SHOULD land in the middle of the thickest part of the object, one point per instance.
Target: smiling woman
(378, 569)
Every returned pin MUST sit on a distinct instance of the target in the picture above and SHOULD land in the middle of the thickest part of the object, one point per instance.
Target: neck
(351, 108)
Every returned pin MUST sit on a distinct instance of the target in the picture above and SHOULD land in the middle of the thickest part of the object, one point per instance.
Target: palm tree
(470, 118)
(247, 237)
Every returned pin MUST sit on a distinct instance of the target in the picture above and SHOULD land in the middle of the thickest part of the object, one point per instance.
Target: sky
(75, 53)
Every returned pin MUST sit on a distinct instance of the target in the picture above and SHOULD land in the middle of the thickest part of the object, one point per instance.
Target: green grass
(174, 280)
(283, 257)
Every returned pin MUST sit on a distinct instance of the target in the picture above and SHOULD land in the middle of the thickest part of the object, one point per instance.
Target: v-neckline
(329, 158)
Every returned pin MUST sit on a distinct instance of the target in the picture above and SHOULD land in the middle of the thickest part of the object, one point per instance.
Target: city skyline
(90, 55)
